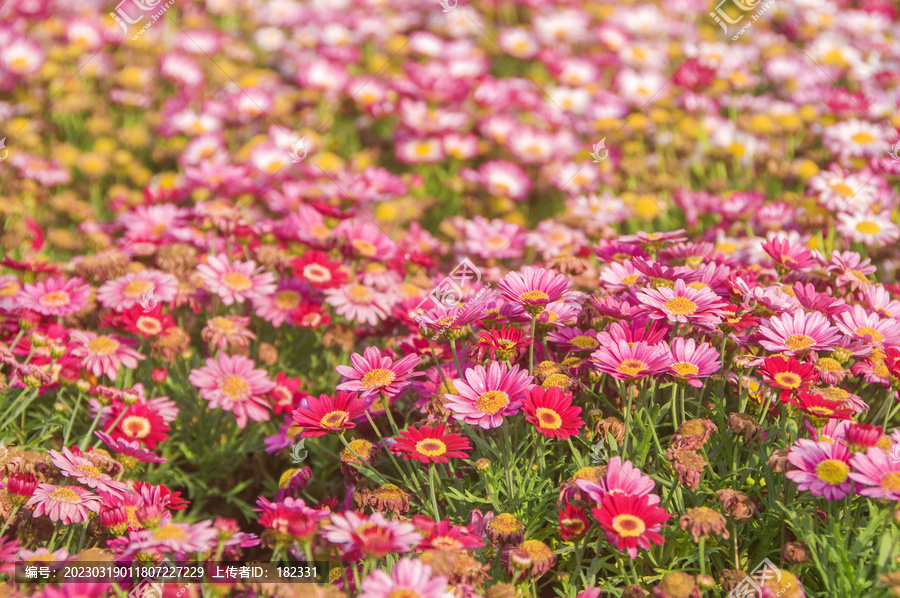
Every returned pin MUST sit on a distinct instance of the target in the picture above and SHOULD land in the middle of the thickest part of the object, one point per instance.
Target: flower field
(449, 299)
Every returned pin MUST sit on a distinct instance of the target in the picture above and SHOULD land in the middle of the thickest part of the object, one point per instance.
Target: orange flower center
(237, 281)
(431, 447)
(548, 418)
(335, 419)
(798, 342)
(65, 495)
(628, 526)
(137, 288)
(136, 426)
(364, 247)
(88, 471)
(287, 300)
(359, 294)
(534, 295)
(235, 387)
(149, 326)
(54, 299)
(875, 336)
(681, 306)
(584, 342)
(788, 379)
(170, 532)
(102, 346)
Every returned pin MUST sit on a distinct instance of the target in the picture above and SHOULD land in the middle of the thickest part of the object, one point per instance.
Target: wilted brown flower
(339, 335)
(612, 426)
(501, 590)
(503, 529)
(736, 505)
(693, 434)
(703, 521)
(565, 263)
(389, 498)
(743, 425)
(795, 552)
(891, 581)
(170, 344)
(778, 461)
(176, 258)
(458, 567)
(677, 585)
(688, 465)
(540, 557)
(635, 591)
(730, 578)
(366, 450)
(268, 354)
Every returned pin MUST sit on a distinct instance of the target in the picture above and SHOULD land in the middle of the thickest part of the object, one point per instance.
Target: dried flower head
(703, 521)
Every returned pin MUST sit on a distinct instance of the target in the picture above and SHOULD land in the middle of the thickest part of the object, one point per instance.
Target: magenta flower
(132, 449)
(103, 354)
(624, 361)
(55, 296)
(691, 361)
(360, 535)
(232, 383)
(869, 328)
(795, 333)
(69, 504)
(235, 282)
(175, 537)
(878, 472)
(407, 578)
(534, 288)
(373, 373)
(147, 286)
(620, 478)
(683, 304)
(74, 466)
(823, 468)
(489, 395)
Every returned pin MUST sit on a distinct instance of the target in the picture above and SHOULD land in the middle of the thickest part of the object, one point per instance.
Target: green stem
(9, 519)
(362, 461)
(387, 409)
(531, 346)
(674, 414)
(434, 505)
(507, 457)
(438, 364)
(72, 420)
(459, 371)
(702, 549)
(400, 470)
(575, 453)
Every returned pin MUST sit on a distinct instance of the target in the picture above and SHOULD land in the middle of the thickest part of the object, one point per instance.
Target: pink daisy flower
(621, 478)
(126, 291)
(691, 361)
(103, 354)
(74, 466)
(823, 468)
(69, 504)
(359, 303)
(868, 327)
(878, 472)
(795, 333)
(55, 296)
(624, 361)
(534, 288)
(683, 304)
(373, 536)
(372, 373)
(129, 449)
(279, 307)
(235, 281)
(232, 383)
(176, 537)
(408, 577)
(488, 395)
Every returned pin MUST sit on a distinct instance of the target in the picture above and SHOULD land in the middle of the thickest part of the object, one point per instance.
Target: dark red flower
(788, 374)
(573, 521)
(330, 414)
(552, 412)
(506, 344)
(429, 444)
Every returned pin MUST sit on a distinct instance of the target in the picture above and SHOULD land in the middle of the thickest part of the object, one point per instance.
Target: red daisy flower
(573, 522)
(138, 320)
(552, 412)
(315, 268)
(140, 422)
(738, 318)
(310, 315)
(820, 409)
(286, 393)
(443, 535)
(329, 413)
(630, 522)
(429, 444)
(506, 344)
(788, 374)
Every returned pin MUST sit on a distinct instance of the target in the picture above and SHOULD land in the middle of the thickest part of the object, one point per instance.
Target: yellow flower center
(548, 418)
(492, 401)
(534, 295)
(136, 426)
(54, 299)
(867, 227)
(891, 482)
(221, 325)
(404, 593)
(827, 364)
(431, 447)
(628, 526)
(681, 306)
(137, 288)
(377, 377)
(798, 342)
(364, 247)
(237, 281)
(10, 288)
(65, 495)
(557, 381)
(832, 471)
(102, 346)
(504, 522)
(632, 367)
(843, 189)
(630, 279)
(359, 294)
(149, 326)
(445, 543)
(423, 149)
(788, 379)
(863, 138)
(170, 532)
(686, 369)
(584, 342)
(235, 387)
(88, 471)
(335, 419)
(287, 300)
(865, 331)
